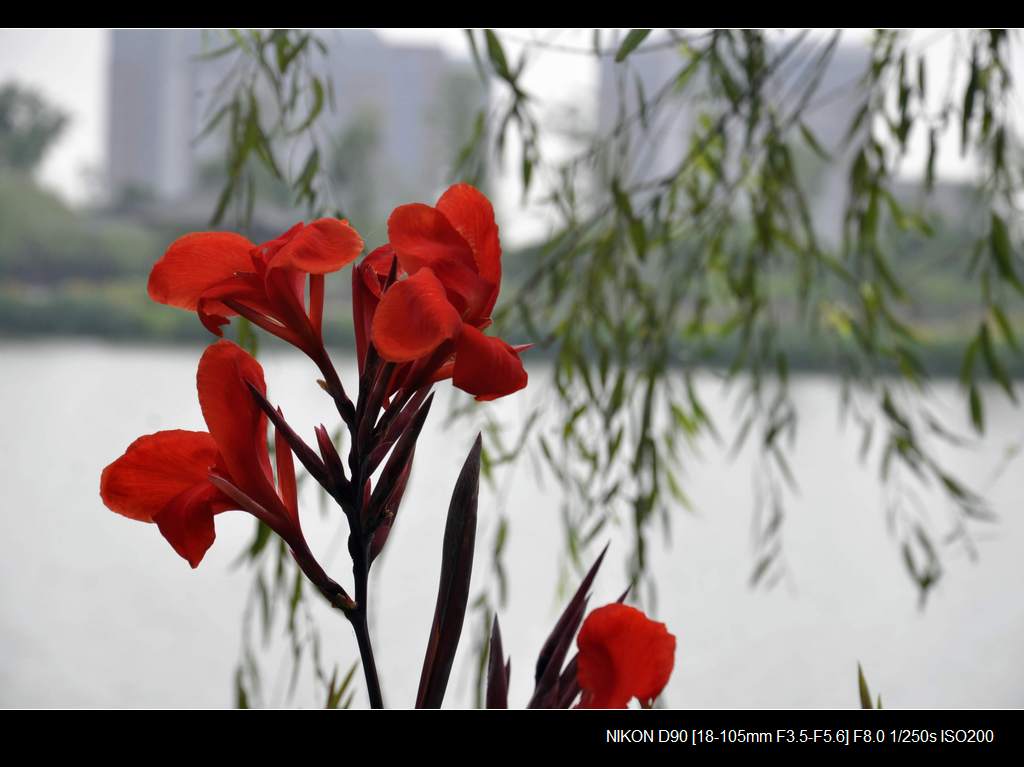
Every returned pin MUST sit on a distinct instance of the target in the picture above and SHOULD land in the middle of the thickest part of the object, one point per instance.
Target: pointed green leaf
(1002, 251)
(496, 53)
(633, 39)
(862, 685)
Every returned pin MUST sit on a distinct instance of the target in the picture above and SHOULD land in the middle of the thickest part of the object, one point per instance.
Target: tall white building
(152, 111)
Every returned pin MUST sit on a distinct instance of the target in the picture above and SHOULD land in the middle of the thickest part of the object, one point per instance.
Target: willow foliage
(718, 257)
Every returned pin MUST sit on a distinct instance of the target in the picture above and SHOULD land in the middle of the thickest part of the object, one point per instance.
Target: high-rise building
(152, 111)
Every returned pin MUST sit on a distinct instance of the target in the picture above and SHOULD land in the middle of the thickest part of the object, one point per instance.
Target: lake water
(97, 610)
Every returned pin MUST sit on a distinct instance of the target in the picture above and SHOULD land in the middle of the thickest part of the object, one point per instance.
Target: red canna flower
(622, 655)
(219, 274)
(181, 479)
(431, 322)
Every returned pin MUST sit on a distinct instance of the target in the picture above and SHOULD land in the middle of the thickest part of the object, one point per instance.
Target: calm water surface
(97, 610)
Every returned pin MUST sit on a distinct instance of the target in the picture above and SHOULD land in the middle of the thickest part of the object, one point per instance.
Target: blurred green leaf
(630, 43)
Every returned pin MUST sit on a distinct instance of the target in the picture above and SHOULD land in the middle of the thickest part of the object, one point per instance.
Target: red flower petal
(155, 469)
(486, 366)
(623, 655)
(286, 475)
(423, 238)
(245, 287)
(267, 250)
(286, 295)
(413, 318)
(378, 263)
(367, 279)
(196, 262)
(471, 215)
(444, 372)
(236, 422)
(187, 521)
(324, 246)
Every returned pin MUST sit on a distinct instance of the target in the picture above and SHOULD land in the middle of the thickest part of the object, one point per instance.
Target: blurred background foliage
(720, 256)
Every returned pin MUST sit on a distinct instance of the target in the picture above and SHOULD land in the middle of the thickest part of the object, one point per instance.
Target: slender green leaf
(630, 44)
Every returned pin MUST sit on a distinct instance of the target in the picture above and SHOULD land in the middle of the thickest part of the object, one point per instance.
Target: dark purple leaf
(387, 513)
(370, 408)
(552, 654)
(394, 421)
(398, 465)
(545, 693)
(453, 590)
(497, 678)
(547, 651)
(332, 461)
(568, 684)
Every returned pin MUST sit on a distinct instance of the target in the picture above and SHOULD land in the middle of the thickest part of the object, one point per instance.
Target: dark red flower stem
(333, 591)
(372, 386)
(359, 543)
(367, 438)
(359, 549)
(359, 538)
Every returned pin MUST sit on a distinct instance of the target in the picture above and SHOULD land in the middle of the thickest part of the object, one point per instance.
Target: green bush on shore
(42, 241)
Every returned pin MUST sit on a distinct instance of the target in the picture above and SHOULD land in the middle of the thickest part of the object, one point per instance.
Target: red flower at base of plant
(181, 479)
(623, 655)
(220, 274)
(431, 322)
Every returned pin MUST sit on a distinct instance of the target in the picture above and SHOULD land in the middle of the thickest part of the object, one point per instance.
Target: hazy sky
(69, 67)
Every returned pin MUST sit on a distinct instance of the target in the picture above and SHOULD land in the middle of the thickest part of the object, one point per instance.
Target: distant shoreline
(942, 360)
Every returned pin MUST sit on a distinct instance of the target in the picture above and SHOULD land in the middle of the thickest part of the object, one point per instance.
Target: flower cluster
(421, 305)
